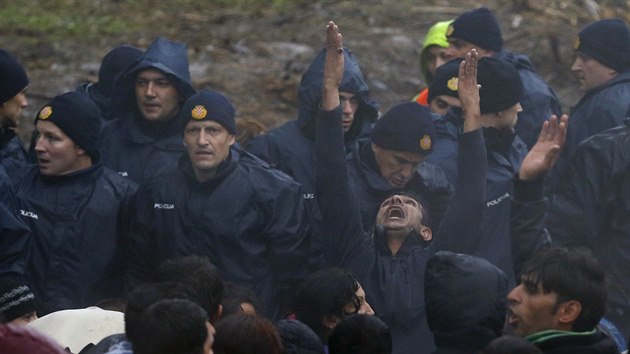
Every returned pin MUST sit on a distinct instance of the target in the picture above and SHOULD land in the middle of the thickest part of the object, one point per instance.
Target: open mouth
(395, 213)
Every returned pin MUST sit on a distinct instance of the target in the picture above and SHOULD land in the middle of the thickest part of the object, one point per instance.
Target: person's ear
(217, 316)
(568, 312)
(426, 233)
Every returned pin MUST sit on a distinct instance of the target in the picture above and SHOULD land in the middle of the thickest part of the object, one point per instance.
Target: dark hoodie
(130, 145)
(466, 299)
(290, 147)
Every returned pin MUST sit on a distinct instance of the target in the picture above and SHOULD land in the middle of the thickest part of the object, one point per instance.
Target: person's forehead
(203, 124)
(48, 126)
(151, 73)
(452, 101)
(346, 94)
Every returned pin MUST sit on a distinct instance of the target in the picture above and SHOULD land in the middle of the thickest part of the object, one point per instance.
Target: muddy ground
(256, 54)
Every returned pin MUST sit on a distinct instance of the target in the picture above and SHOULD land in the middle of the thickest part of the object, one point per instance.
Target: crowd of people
(474, 218)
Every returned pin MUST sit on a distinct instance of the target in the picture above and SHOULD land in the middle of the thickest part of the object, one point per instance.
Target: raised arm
(461, 227)
(529, 205)
(341, 228)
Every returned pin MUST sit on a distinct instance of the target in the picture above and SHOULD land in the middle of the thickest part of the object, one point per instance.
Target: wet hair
(199, 277)
(246, 334)
(572, 275)
(234, 296)
(325, 294)
(172, 326)
(511, 345)
(360, 334)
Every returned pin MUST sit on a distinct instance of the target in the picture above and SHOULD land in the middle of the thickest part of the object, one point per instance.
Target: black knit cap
(608, 42)
(479, 27)
(13, 78)
(78, 116)
(501, 85)
(406, 127)
(209, 105)
(445, 80)
(16, 300)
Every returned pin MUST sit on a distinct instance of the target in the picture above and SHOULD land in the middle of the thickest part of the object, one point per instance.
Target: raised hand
(333, 67)
(544, 154)
(469, 91)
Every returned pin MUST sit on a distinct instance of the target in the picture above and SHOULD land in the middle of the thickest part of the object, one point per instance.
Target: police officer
(13, 86)
(145, 138)
(74, 207)
(221, 202)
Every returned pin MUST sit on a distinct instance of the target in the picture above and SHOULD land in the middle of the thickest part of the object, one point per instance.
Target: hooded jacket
(539, 101)
(13, 156)
(466, 302)
(590, 209)
(504, 161)
(75, 248)
(290, 147)
(601, 108)
(394, 283)
(132, 146)
(250, 221)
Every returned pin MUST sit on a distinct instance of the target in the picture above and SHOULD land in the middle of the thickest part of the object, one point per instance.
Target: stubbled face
(397, 167)
(156, 97)
(442, 103)
(11, 110)
(350, 104)
(530, 310)
(590, 72)
(364, 307)
(57, 154)
(400, 212)
(458, 48)
(208, 144)
(436, 56)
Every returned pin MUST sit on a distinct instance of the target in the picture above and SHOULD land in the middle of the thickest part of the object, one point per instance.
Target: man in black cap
(145, 138)
(13, 86)
(443, 89)
(249, 219)
(480, 29)
(602, 64)
(501, 92)
(74, 208)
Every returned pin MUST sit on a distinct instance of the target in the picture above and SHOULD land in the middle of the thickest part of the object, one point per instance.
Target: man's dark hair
(360, 334)
(234, 296)
(323, 294)
(172, 326)
(573, 275)
(246, 334)
(142, 297)
(199, 277)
